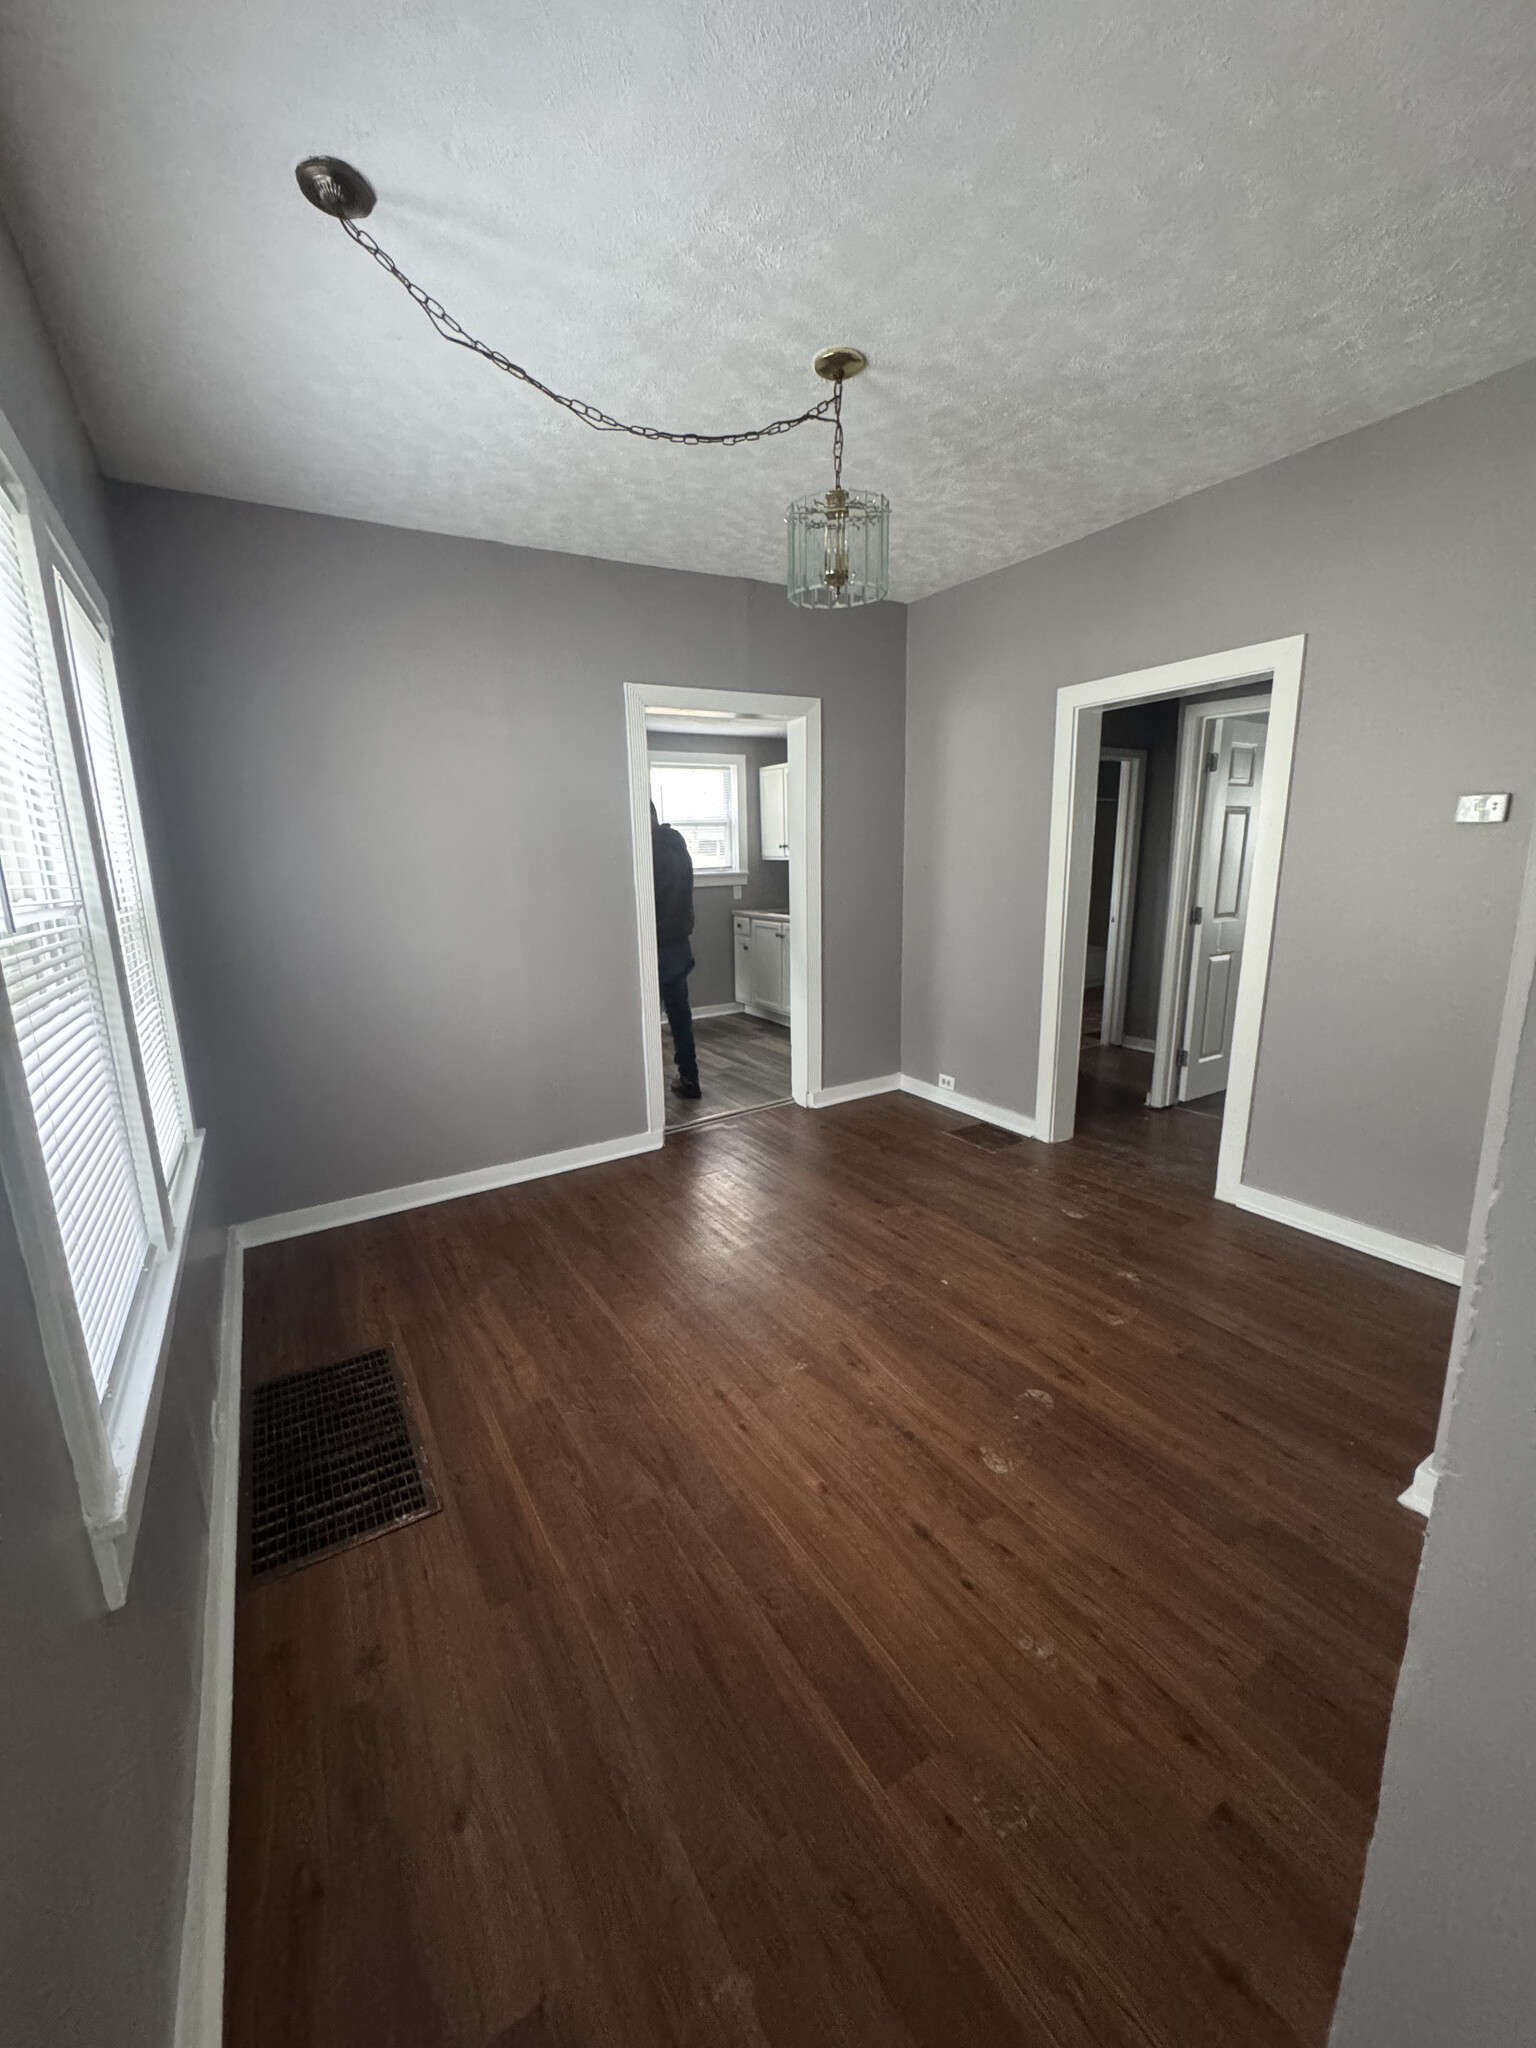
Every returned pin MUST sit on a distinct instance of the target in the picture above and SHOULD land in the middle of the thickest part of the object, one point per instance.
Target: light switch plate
(1483, 810)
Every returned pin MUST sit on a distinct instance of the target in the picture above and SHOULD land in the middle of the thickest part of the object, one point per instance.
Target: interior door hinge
(1183, 1056)
(1211, 761)
(1197, 915)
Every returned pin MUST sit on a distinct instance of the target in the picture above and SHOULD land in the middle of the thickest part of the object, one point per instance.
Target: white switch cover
(1482, 810)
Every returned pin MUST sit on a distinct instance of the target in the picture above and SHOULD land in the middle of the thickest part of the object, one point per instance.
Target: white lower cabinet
(761, 947)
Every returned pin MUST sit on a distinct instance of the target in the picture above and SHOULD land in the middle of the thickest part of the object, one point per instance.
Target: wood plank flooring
(889, 1593)
(743, 1064)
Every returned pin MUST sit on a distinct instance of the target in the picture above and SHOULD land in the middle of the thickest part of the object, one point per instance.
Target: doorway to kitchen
(736, 777)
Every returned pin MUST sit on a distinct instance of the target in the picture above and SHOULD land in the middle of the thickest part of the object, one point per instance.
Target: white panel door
(773, 803)
(1234, 779)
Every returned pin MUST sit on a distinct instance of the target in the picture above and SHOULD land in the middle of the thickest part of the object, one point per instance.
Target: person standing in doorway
(672, 872)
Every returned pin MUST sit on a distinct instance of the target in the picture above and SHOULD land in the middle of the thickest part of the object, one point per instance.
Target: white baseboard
(855, 1091)
(1432, 1259)
(200, 1976)
(767, 1016)
(392, 1201)
(1139, 1044)
(719, 1010)
(1420, 1494)
(969, 1105)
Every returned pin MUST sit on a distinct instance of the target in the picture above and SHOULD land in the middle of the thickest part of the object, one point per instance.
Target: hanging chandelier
(839, 542)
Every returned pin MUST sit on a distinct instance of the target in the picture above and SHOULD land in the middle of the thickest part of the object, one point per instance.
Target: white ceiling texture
(1100, 252)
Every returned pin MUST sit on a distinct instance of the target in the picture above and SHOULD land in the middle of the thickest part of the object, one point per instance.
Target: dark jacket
(672, 868)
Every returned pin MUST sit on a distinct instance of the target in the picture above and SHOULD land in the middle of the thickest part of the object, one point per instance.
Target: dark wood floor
(889, 1592)
(743, 1064)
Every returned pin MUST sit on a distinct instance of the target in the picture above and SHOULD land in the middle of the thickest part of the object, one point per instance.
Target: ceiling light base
(335, 187)
(839, 364)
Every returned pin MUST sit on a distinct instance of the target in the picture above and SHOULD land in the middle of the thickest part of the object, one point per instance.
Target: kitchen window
(704, 796)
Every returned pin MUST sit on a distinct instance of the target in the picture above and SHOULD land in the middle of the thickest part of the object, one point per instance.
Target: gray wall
(767, 885)
(1403, 552)
(1443, 1950)
(394, 787)
(97, 1711)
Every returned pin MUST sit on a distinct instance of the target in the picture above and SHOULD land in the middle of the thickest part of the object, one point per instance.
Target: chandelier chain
(590, 415)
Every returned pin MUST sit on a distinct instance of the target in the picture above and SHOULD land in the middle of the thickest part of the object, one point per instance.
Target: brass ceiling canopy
(335, 187)
(836, 364)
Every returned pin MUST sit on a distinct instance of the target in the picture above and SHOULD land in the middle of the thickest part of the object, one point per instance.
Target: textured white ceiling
(1100, 253)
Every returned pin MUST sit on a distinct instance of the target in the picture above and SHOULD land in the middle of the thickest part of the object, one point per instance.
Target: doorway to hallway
(1157, 941)
(1180, 783)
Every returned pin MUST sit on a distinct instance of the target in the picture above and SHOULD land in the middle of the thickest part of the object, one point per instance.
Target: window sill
(134, 1410)
(734, 880)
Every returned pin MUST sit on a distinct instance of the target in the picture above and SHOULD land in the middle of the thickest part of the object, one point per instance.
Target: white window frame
(709, 878)
(110, 1436)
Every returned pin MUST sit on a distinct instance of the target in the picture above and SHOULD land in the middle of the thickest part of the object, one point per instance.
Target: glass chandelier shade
(839, 549)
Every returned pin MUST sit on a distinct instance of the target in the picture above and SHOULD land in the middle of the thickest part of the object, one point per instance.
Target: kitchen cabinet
(760, 943)
(773, 810)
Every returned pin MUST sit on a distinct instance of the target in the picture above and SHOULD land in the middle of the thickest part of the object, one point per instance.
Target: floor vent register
(335, 1458)
(985, 1137)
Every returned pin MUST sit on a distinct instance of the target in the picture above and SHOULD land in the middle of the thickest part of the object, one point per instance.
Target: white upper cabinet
(773, 791)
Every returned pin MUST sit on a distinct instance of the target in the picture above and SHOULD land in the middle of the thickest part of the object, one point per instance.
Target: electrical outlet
(946, 1080)
(1492, 809)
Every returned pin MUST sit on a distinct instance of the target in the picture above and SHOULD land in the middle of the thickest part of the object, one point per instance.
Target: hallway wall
(1442, 1951)
(1403, 553)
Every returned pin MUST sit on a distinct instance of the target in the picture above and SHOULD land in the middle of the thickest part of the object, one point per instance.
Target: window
(127, 870)
(704, 797)
(98, 1143)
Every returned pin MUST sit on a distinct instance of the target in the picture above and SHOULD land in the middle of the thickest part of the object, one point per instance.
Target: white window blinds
(111, 776)
(52, 981)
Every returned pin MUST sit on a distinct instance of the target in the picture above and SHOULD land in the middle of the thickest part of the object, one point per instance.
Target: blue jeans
(676, 963)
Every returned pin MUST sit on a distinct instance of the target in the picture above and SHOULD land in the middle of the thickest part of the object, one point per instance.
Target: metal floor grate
(334, 1458)
(985, 1137)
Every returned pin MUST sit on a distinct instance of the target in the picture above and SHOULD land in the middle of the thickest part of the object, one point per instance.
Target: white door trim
(1173, 989)
(1122, 887)
(199, 2021)
(1079, 719)
(802, 718)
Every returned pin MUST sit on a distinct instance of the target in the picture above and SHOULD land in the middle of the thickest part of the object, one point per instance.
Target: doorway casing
(1080, 711)
(1132, 763)
(802, 721)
